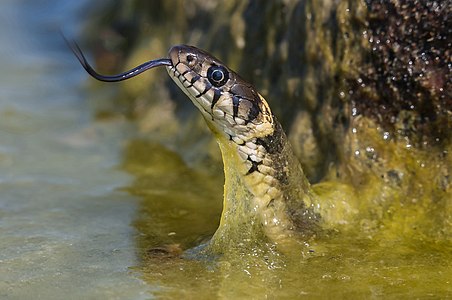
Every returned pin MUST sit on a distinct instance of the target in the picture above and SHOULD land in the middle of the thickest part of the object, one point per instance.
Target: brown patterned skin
(265, 186)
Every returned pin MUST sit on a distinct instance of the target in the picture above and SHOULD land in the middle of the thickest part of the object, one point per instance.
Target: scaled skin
(266, 194)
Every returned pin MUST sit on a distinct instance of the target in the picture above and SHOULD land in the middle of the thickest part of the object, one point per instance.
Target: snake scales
(265, 191)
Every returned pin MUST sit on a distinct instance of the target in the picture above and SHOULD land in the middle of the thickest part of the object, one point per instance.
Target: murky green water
(176, 213)
(88, 210)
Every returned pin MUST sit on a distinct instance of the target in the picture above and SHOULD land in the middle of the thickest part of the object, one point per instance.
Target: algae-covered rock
(362, 87)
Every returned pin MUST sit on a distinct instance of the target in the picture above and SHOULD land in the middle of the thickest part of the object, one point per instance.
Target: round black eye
(217, 75)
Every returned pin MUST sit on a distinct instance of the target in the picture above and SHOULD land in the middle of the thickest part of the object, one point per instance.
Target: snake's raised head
(265, 188)
(230, 105)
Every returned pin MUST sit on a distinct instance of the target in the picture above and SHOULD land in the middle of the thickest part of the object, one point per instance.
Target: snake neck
(266, 195)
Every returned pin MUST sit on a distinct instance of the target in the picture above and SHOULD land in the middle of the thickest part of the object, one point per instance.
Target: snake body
(260, 167)
(266, 194)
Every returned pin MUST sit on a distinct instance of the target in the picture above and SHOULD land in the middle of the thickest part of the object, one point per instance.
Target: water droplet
(345, 277)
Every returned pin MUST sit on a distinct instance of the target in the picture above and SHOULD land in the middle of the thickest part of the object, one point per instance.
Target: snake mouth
(118, 77)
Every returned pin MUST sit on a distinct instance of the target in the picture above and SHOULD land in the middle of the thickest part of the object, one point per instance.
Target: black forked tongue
(119, 77)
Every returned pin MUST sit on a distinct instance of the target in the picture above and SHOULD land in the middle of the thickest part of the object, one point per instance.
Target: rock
(363, 86)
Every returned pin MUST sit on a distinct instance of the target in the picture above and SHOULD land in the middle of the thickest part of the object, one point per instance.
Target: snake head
(228, 103)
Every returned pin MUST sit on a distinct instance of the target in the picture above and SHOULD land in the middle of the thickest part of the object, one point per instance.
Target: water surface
(64, 226)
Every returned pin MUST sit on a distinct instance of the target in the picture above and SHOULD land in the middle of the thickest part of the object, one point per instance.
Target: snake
(266, 193)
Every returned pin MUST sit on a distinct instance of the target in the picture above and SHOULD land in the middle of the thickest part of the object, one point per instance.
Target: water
(89, 210)
(65, 228)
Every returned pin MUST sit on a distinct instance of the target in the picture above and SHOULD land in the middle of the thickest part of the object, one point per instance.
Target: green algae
(375, 247)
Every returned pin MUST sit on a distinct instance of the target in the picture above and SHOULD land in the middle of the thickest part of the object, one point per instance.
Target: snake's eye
(217, 75)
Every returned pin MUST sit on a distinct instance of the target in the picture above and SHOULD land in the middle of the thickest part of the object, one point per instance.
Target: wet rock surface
(362, 88)
(407, 82)
(318, 63)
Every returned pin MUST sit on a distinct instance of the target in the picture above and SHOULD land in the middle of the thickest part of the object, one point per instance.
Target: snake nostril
(191, 60)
